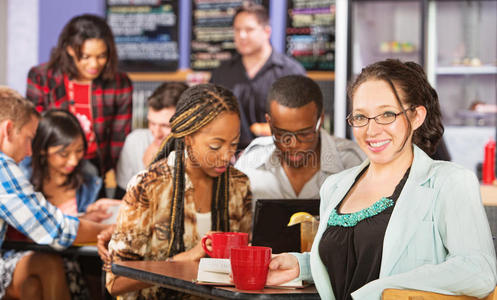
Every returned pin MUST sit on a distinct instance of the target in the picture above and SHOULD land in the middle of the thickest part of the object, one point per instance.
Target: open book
(216, 271)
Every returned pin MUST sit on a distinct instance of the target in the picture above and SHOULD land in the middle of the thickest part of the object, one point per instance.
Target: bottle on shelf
(488, 168)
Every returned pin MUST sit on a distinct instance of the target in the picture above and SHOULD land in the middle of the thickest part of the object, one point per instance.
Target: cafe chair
(396, 294)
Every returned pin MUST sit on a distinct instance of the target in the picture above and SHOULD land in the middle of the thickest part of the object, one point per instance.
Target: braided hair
(196, 108)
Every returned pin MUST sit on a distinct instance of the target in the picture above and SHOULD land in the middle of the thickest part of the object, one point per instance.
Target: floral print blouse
(142, 227)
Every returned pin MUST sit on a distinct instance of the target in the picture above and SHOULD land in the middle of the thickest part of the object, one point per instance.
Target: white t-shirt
(131, 159)
(203, 223)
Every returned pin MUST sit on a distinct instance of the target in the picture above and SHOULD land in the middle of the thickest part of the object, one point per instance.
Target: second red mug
(249, 266)
(222, 242)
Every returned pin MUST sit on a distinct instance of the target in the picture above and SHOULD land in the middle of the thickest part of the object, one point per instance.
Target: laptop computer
(271, 217)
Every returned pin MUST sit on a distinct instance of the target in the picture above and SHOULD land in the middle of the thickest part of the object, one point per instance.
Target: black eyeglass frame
(349, 117)
(295, 134)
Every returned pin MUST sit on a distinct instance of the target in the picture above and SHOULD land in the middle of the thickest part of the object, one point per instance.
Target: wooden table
(181, 276)
(396, 294)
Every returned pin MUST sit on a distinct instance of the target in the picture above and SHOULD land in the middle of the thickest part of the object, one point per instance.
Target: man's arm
(29, 212)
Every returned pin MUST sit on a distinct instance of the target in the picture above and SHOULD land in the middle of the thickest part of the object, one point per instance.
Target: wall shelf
(466, 70)
(182, 75)
(179, 75)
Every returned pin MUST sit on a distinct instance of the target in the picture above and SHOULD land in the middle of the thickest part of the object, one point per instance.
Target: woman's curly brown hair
(410, 86)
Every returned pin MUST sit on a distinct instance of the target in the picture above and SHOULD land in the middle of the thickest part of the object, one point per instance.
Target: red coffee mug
(249, 266)
(222, 242)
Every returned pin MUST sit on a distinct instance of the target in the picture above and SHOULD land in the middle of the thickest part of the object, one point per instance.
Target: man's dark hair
(259, 11)
(166, 95)
(295, 91)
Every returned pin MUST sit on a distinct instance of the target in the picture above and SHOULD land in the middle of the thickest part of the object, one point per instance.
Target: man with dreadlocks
(188, 190)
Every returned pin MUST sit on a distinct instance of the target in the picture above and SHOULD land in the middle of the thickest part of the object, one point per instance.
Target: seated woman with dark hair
(58, 171)
(57, 168)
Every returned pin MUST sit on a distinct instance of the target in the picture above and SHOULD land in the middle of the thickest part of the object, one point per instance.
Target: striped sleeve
(29, 212)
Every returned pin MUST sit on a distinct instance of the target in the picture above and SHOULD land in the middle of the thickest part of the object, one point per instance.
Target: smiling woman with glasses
(400, 219)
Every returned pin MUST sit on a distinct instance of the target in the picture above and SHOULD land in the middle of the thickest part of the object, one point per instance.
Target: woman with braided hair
(188, 190)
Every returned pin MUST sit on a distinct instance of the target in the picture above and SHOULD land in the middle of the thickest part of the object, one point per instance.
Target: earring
(191, 157)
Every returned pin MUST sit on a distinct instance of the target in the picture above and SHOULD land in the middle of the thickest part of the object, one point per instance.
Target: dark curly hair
(74, 34)
(410, 86)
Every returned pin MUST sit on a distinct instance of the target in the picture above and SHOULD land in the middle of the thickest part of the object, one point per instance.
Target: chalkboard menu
(310, 33)
(146, 33)
(212, 33)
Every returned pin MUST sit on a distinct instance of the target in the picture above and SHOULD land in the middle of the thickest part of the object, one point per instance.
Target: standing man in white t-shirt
(142, 144)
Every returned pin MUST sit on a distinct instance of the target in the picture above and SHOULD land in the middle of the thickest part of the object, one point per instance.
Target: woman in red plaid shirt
(82, 77)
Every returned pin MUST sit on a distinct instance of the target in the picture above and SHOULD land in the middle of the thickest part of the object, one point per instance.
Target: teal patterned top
(351, 220)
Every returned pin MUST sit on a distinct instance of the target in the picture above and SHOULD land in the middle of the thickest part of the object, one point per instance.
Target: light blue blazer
(437, 239)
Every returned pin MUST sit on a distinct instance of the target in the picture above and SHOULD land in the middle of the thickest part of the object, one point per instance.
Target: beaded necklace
(350, 220)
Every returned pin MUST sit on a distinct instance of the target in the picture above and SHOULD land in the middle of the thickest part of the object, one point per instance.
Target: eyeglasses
(286, 137)
(385, 118)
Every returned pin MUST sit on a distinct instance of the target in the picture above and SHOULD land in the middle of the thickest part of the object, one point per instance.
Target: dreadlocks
(196, 107)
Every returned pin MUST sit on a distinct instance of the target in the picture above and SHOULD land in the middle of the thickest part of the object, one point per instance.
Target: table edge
(158, 279)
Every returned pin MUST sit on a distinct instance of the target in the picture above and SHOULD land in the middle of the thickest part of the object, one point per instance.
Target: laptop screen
(270, 223)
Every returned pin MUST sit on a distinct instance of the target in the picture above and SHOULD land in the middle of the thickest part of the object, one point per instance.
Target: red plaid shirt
(111, 107)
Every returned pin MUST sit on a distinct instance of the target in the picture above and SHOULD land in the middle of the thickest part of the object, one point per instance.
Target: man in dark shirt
(249, 74)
